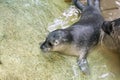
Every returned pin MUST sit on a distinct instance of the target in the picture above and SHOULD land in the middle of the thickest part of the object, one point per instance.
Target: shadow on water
(25, 23)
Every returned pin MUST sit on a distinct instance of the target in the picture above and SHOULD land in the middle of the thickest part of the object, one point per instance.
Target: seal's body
(77, 39)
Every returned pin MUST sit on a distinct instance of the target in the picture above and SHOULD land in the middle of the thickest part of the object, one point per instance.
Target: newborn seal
(79, 38)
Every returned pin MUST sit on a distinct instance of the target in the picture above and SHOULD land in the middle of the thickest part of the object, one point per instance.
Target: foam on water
(64, 19)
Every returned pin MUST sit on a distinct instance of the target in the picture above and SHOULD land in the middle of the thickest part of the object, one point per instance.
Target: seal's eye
(56, 42)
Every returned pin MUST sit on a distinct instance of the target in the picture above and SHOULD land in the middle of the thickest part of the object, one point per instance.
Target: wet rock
(106, 6)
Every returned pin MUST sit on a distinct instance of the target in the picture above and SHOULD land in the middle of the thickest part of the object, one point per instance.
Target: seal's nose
(44, 48)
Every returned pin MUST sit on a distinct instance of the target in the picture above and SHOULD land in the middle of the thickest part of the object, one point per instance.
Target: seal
(112, 34)
(79, 38)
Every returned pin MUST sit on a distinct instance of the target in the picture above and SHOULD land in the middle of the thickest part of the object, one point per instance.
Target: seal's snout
(44, 47)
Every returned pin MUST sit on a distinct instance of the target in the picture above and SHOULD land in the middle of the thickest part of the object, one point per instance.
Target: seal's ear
(107, 27)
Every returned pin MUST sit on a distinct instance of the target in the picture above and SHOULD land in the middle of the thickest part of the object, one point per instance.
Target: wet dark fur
(77, 39)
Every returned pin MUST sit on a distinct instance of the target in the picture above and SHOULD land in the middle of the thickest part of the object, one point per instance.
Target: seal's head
(54, 41)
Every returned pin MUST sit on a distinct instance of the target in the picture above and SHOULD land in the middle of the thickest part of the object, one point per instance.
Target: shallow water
(25, 23)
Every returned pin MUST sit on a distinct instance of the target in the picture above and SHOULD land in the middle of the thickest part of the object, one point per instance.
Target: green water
(24, 24)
